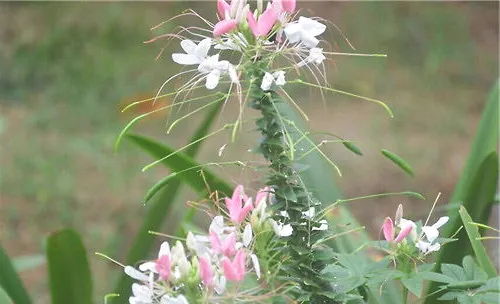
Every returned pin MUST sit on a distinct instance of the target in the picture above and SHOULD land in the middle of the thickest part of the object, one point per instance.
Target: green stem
(290, 194)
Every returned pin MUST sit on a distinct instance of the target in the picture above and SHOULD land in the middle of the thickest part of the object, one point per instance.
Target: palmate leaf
(10, 281)
(159, 208)
(69, 272)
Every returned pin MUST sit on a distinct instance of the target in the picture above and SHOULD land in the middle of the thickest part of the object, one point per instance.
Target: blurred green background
(66, 70)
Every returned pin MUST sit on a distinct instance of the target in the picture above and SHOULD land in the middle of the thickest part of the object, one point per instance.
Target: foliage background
(66, 70)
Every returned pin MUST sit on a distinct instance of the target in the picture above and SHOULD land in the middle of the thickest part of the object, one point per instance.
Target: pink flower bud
(224, 26)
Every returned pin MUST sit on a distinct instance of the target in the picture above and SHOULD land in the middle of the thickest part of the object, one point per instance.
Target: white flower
(180, 299)
(195, 54)
(142, 294)
(431, 233)
(280, 229)
(305, 31)
(277, 77)
(215, 68)
(247, 235)
(315, 56)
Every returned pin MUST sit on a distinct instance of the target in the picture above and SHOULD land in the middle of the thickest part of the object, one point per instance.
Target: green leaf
(471, 189)
(159, 208)
(398, 161)
(186, 168)
(453, 271)
(481, 255)
(414, 284)
(485, 142)
(4, 297)
(10, 281)
(68, 267)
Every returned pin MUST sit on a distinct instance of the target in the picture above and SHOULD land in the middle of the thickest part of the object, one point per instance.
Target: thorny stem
(290, 194)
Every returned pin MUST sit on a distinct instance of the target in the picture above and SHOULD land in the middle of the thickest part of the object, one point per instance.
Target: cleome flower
(431, 234)
(425, 238)
(209, 66)
(211, 262)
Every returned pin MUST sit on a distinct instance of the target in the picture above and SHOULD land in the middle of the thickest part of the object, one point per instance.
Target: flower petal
(222, 8)
(388, 229)
(188, 46)
(203, 48)
(212, 79)
(135, 274)
(442, 220)
(224, 26)
(403, 233)
(267, 81)
(430, 232)
(252, 24)
(256, 265)
(267, 20)
(185, 59)
(247, 235)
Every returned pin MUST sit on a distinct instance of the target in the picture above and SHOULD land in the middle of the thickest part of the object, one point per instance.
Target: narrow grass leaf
(485, 142)
(181, 162)
(4, 297)
(68, 267)
(481, 255)
(159, 207)
(10, 281)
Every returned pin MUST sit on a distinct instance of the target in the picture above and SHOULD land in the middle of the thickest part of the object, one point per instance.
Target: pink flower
(162, 266)
(226, 247)
(238, 211)
(235, 270)
(388, 229)
(206, 271)
(265, 23)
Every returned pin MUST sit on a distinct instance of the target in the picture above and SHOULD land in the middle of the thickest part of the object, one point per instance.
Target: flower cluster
(211, 261)
(263, 32)
(424, 238)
